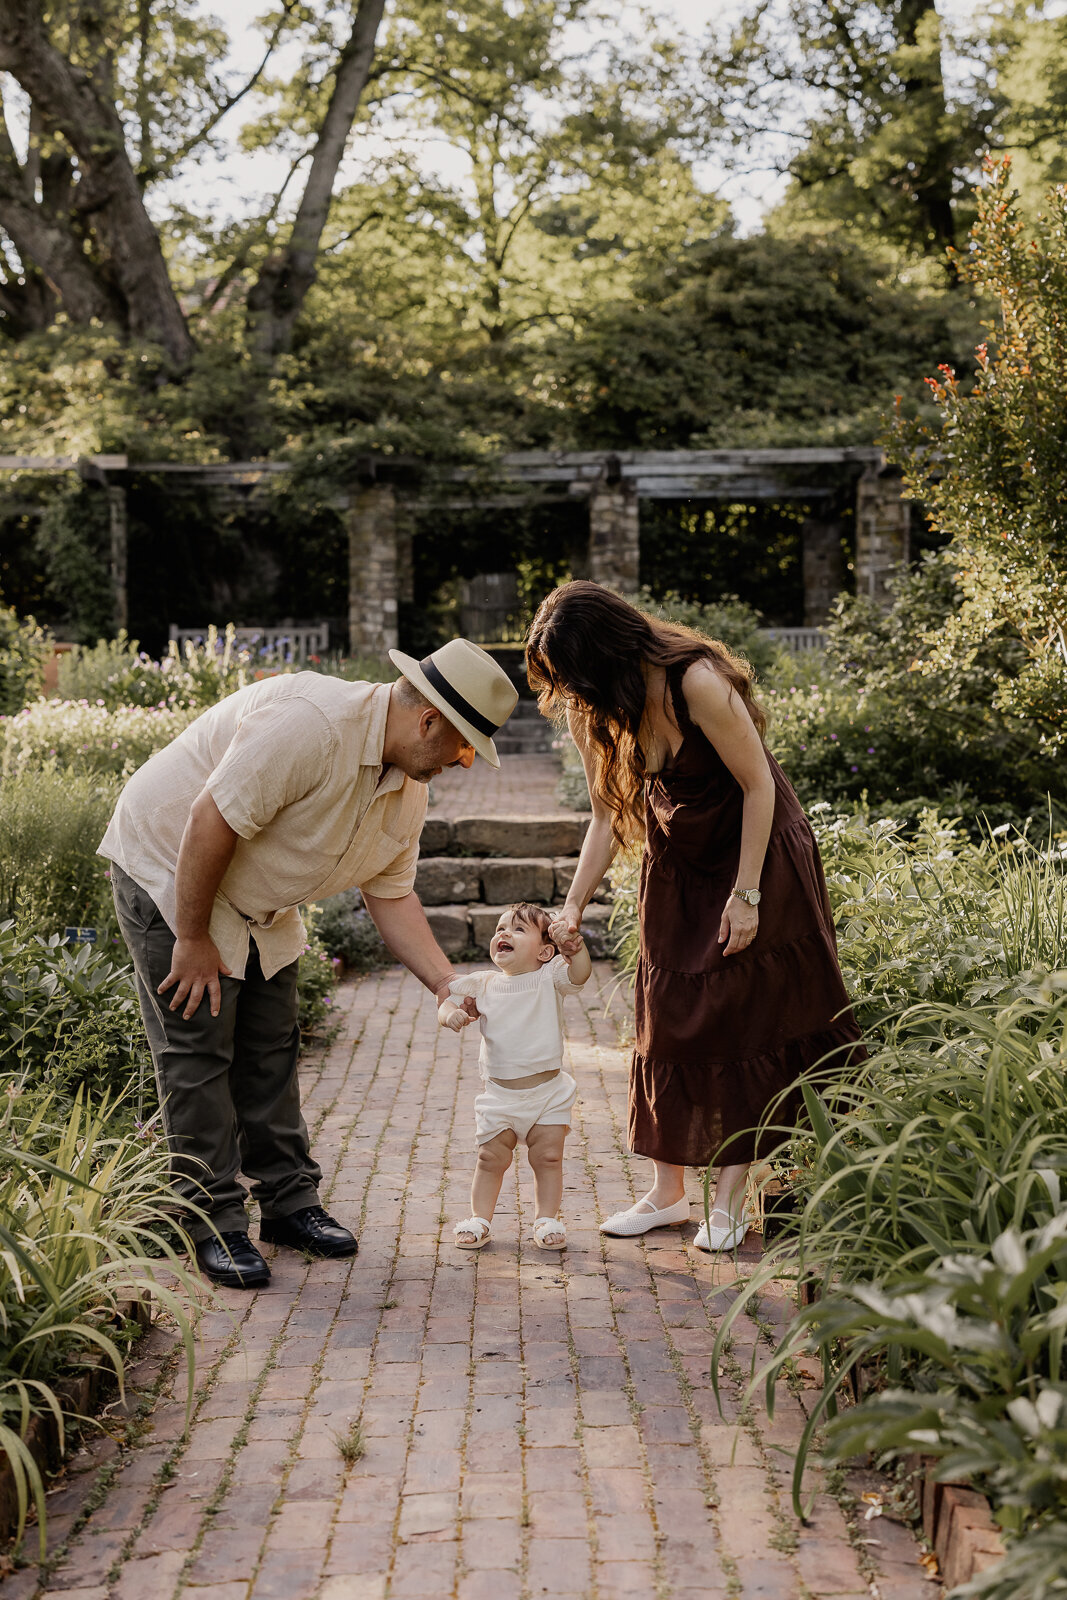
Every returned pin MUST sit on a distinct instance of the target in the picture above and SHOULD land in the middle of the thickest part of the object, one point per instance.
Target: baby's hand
(565, 932)
(454, 1016)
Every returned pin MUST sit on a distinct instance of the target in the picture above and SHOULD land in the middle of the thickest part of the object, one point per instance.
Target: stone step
(469, 928)
(515, 836)
(497, 880)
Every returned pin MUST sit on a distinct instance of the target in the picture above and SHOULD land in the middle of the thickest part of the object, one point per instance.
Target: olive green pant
(227, 1084)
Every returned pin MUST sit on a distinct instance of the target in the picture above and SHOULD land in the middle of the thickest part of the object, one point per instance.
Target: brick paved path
(531, 1425)
(522, 786)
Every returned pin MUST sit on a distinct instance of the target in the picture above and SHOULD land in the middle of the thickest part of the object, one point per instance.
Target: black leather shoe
(232, 1260)
(310, 1230)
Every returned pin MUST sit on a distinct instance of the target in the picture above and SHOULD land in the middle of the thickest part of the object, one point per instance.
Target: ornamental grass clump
(51, 822)
(932, 1226)
(85, 1226)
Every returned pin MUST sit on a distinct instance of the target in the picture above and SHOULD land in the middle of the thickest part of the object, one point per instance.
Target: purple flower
(870, 749)
(855, 769)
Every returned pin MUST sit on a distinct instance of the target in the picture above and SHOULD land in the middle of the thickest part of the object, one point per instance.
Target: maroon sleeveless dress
(718, 1038)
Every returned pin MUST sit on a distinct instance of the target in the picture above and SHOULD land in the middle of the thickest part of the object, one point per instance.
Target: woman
(738, 988)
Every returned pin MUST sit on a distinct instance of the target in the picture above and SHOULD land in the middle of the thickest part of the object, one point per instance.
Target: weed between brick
(351, 1445)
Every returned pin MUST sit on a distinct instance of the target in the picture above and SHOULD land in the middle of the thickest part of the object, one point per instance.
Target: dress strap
(674, 676)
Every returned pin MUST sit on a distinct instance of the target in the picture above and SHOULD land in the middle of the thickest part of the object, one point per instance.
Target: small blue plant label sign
(80, 935)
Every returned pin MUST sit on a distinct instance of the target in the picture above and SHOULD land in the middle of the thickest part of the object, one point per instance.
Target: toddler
(526, 1093)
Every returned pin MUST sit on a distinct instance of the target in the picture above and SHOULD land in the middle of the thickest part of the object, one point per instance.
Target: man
(292, 789)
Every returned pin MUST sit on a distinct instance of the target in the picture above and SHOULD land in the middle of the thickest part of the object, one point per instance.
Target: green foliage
(69, 1017)
(23, 651)
(74, 540)
(882, 149)
(728, 619)
(114, 673)
(936, 916)
(347, 932)
(993, 477)
(84, 1219)
(83, 738)
(932, 1219)
(892, 720)
(51, 821)
(761, 341)
(316, 977)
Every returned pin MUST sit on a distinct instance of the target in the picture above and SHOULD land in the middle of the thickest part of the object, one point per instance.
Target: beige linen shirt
(294, 764)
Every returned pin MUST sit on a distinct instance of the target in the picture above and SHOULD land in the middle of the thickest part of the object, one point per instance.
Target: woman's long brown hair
(584, 654)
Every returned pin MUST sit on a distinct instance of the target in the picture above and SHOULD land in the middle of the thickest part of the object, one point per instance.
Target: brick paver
(524, 1423)
(522, 786)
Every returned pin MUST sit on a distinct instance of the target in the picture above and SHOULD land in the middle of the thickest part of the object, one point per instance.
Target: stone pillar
(614, 534)
(118, 522)
(372, 570)
(823, 567)
(883, 534)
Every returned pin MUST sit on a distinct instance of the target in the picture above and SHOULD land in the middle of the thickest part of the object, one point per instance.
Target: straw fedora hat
(468, 687)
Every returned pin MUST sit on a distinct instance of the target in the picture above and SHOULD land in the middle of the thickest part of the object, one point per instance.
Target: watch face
(754, 897)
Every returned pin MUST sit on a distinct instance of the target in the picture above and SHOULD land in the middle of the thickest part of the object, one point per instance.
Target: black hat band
(452, 696)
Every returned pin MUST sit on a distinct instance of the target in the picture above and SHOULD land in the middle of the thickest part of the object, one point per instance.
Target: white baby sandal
(479, 1229)
(544, 1228)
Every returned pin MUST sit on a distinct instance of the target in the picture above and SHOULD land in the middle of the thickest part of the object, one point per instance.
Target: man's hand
(450, 1014)
(195, 965)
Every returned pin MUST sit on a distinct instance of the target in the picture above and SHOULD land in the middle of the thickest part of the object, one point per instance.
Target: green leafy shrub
(316, 978)
(347, 932)
(85, 1225)
(24, 649)
(866, 722)
(992, 475)
(51, 822)
(730, 620)
(69, 1018)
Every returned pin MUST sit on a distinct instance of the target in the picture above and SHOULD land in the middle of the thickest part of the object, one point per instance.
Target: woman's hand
(739, 925)
(565, 930)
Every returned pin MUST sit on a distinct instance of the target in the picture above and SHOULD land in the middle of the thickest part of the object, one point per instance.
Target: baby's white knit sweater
(521, 1018)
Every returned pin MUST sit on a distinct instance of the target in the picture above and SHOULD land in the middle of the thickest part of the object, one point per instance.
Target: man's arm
(206, 851)
(402, 924)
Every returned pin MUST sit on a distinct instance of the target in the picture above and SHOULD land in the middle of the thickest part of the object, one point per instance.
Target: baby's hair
(534, 917)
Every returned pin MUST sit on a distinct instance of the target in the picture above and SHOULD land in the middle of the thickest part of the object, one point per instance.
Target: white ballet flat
(628, 1224)
(716, 1239)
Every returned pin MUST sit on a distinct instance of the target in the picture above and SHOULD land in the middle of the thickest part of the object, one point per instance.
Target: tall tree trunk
(106, 197)
(44, 243)
(276, 298)
(933, 183)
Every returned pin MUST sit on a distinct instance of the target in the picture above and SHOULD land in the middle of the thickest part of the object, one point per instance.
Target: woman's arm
(721, 715)
(599, 848)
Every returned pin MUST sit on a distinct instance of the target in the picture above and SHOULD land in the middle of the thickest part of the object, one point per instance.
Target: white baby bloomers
(521, 1022)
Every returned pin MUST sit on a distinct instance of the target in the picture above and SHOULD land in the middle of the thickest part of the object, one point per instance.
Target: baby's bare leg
(544, 1143)
(494, 1159)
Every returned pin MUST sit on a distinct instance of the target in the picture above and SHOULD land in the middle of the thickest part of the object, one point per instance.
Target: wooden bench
(294, 641)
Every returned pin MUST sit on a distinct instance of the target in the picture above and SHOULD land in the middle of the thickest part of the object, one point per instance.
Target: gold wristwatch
(751, 897)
